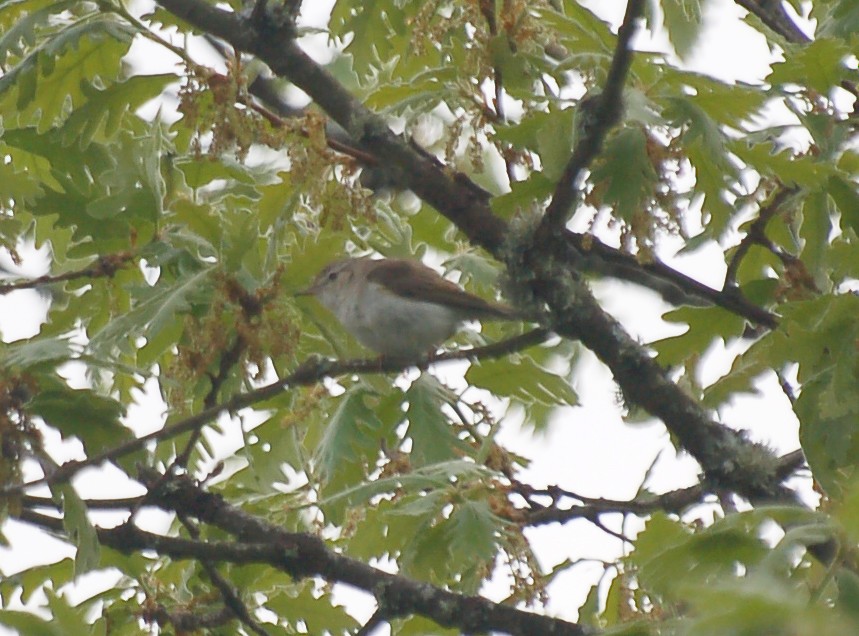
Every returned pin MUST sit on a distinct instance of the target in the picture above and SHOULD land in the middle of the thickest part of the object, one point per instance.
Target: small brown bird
(398, 307)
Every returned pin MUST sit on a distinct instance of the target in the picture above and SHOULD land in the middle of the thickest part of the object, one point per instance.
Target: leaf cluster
(177, 235)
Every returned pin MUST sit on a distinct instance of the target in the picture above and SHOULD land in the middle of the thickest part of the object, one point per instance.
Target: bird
(398, 307)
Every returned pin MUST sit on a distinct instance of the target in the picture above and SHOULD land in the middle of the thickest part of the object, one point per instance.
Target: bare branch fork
(727, 457)
(671, 501)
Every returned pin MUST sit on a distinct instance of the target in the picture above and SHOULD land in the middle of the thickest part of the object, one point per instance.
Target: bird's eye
(332, 276)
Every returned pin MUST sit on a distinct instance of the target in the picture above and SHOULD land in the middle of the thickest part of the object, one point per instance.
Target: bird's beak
(308, 291)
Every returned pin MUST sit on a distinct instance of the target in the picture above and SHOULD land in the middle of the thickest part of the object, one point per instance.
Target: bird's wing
(411, 279)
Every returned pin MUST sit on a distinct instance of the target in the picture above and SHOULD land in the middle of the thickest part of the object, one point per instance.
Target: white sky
(589, 450)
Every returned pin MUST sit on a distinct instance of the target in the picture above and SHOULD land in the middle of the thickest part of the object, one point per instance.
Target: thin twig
(756, 235)
(103, 266)
(228, 360)
(309, 372)
(230, 596)
(606, 110)
(122, 503)
(675, 501)
(500, 116)
(591, 509)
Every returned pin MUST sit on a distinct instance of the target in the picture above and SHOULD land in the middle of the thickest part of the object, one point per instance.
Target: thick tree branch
(303, 555)
(727, 457)
(593, 256)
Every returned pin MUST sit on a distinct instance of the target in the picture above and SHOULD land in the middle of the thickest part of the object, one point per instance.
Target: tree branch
(594, 256)
(233, 603)
(311, 371)
(728, 458)
(756, 235)
(104, 266)
(773, 14)
(591, 509)
(601, 114)
(674, 501)
(304, 555)
(185, 621)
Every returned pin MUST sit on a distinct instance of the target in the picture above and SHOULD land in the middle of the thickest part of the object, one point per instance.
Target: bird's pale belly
(401, 327)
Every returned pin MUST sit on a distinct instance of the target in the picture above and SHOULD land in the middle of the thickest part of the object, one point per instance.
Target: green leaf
(431, 477)
(21, 33)
(846, 197)
(555, 142)
(428, 555)
(383, 22)
(848, 592)
(670, 558)
(789, 168)
(474, 532)
(706, 150)
(26, 354)
(820, 65)
(159, 307)
(828, 431)
(72, 172)
(839, 19)
(79, 528)
(683, 21)
(432, 436)
(813, 335)
(30, 624)
(201, 171)
(523, 195)
(423, 92)
(384, 532)
(420, 626)
(729, 104)
(101, 115)
(92, 418)
(815, 230)
(299, 603)
(71, 619)
(40, 87)
(625, 175)
(706, 324)
(351, 442)
(32, 579)
(523, 380)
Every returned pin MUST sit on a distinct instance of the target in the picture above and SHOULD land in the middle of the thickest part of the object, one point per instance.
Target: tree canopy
(180, 211)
